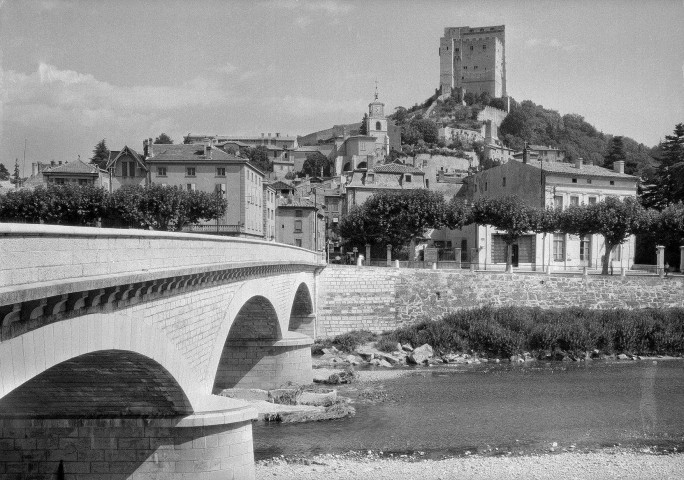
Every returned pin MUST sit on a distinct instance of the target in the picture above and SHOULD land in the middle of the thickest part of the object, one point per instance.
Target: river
(496, 409)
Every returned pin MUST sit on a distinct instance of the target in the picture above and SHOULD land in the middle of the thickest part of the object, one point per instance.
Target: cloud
(302, 106)
(330, 7)
(549, 43)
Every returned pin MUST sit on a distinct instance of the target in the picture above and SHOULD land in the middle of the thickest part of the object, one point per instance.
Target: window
(612, 182)
(616, 254)
(585, 248)
(464, 250)
(190, 187)
(484, 47)
(334, 206)
(465, 67)
(59, 181)
(189, 172)
(378, 126)
(298, 242)
(128, 169)
(220, 187)
(475, 67)
(220, 171)
(592, 200)
(298, 213)
(574, 200)
(408, 178)
(83, 181)
(588, 180)
(456, 48)
(574, 180)
(558, 202)
(298, 226)
(161, 171)
(503, 182)
(559, 247)
(471, 48)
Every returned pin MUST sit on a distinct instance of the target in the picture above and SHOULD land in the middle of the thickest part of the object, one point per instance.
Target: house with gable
(362, 184)
(76, 172)
(128, 167)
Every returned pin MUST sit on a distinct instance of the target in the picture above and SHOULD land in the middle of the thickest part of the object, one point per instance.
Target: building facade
(127, 167)
(548, 185)
(299, 222)
(392, 176)
(473, 60)
(76, 172)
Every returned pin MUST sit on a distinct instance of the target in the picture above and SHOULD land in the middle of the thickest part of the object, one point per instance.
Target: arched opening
(378, 126)
(302, 316)
(347, 167)
(103, 384)
(362, 165)
(250, 347)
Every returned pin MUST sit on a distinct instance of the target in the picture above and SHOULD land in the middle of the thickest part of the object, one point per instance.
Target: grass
(506, 331)
(346, 342)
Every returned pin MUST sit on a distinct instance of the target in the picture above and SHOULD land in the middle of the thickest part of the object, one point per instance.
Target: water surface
(502, 408)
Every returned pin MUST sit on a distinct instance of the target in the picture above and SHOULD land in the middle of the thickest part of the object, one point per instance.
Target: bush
(508, 331)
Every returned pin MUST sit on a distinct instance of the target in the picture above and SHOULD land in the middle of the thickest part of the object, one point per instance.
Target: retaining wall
(380, 299)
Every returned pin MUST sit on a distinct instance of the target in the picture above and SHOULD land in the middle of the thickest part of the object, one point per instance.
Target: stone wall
(380, 299)
(138, 449)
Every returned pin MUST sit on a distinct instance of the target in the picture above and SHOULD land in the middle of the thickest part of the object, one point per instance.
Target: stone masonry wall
(380, 299)
(124, 449)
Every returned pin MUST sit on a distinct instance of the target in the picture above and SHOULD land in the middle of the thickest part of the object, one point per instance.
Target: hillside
(528, 122)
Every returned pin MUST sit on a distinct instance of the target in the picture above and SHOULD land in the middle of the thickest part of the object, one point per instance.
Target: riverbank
(607, 464)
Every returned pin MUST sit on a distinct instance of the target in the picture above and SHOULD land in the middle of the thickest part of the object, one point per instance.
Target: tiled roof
(570, 169)
(280, 185)
(397, 168)
(125, 151)
(296, 203)
(189, 152)
(75, 167)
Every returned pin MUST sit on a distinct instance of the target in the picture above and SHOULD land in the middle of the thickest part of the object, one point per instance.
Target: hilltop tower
(473, 60)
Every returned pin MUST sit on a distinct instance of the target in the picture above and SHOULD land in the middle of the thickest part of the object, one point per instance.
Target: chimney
(277, 134)
(150, 152)
(269, 138)
(578, 163)
(619, 166)
(207, 148)
(145, 148)
(526, 155)
(52, 163)
(262, 138)
(60, 162)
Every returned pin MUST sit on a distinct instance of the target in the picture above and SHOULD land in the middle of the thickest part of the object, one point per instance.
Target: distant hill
(534, 124)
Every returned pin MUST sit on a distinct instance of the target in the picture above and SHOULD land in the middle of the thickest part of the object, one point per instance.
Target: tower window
(378, 126)
(457, 49)
(484, 47)
(471, 48)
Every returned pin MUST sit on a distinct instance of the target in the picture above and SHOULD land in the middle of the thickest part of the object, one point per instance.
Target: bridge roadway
(114, 345)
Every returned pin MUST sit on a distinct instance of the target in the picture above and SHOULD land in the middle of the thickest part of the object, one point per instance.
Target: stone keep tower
(474, 60)
(377, 126)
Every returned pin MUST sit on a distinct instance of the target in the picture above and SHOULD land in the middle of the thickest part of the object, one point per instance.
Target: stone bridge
(114, 344)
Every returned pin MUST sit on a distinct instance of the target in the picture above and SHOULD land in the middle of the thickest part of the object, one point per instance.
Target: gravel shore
(598, 465)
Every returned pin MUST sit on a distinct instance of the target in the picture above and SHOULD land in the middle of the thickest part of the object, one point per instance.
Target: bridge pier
(216, 445)
(265, 364)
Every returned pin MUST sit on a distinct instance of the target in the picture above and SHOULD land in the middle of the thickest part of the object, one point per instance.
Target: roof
(244, 137)
(77, 167)
(280, 185)
(397, 168)
(296, 203)
(189, 152)
(570, 169)
(543, 147)
(125, 151)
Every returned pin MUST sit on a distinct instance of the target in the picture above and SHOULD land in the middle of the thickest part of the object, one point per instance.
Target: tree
(258, 156)
(163, 138)
(509, 215)
(316, 164)
(666, 185)
(4, 173)
(428, 130)
(616, 152)
(100, 154)
(394, 218)
(612, 218)
(363, 129)
(16, 176)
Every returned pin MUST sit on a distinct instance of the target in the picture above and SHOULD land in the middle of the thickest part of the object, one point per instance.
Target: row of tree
(397, 218)
(155, 207)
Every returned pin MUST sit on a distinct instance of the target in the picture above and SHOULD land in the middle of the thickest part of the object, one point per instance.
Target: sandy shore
(601, 465)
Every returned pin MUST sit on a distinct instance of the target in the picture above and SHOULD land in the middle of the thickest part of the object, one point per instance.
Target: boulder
(385, 363)
(623, 356)
(330, 351)
(366, 352)
(420, 355)
(406, 347)
(375, 362)
(351, 359)
(388, 358)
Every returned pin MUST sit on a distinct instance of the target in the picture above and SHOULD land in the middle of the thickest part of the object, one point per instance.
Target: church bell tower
(377, 125)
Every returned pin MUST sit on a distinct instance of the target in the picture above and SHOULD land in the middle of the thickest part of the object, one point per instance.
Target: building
(128, 167)
(269, 212)
(76, 172)
(548, 185)
(356, 152)
(277, 140)
(450, 134)
(363, 184)
(206, 168)
(300, 222)
(300, 153)
(542, 153)
(473, 60)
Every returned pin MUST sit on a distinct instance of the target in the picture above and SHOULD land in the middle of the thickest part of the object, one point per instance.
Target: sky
(73, 72)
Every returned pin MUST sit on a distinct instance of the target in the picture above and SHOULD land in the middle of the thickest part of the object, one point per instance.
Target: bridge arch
(78, 343)
(302, 317)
